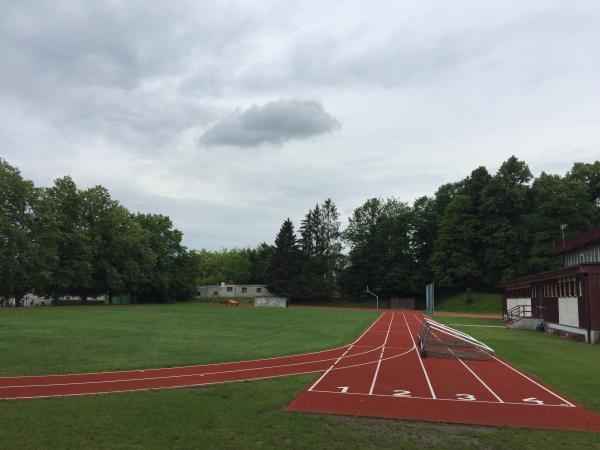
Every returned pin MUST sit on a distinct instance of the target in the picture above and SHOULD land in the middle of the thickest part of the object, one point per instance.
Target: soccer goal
(436, 339)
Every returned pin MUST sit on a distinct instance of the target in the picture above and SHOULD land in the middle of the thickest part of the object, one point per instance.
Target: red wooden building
(566, 299)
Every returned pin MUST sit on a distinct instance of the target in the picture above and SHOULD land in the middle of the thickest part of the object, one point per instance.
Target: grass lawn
(252, 414)
(47, 340)
(471, 302)
(239, 416)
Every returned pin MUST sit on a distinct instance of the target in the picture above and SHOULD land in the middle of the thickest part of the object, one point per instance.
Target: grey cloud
(276, 122)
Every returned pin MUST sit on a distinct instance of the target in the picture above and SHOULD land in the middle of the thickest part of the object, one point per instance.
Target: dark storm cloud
(276, 122)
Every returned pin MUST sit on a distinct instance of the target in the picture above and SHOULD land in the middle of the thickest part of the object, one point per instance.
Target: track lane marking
(328, 370)
(481, 381)
(568, 403)
(445, 399)
(167, 377)
(469, 369)
(332, 366)
(132, 371)
(381, 355)
(180, 386)
(420, 360)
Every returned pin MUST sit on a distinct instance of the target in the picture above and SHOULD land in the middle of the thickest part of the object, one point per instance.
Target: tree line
(63, 241)
(471, 234)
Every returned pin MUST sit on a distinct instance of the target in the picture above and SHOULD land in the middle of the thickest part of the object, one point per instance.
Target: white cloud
(121, 94)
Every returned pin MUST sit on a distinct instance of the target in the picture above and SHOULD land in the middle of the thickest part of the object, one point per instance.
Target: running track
(380, 374)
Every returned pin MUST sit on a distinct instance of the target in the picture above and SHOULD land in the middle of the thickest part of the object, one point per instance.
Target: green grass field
(470, 302)
(249, 414)
(79, 339)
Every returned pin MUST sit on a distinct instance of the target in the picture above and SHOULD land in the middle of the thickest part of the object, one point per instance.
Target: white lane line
(179, 386)
(470, 370)
(167, 377)
(367, 330)
(328, 370)
(172, 377)
(444, 399)
(381, 355)
(567, 403)
(160, 369)
(536, 383)
(481, 381)
(420, 360)
(357, 339)
(134, 371)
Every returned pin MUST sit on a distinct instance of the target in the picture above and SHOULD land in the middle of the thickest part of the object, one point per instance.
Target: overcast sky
(231, 116)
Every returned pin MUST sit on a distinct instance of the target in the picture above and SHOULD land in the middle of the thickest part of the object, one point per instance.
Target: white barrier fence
(272, 302)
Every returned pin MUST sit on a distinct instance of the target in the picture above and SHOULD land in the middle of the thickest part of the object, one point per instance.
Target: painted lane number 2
(401, 393)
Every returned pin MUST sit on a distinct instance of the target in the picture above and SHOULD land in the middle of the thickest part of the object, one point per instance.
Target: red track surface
(380, 374)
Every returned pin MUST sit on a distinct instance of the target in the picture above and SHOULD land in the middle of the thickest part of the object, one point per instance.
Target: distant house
(232, 290)
(566, 299)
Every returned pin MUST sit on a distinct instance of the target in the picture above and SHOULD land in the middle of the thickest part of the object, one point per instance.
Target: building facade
(566, 299)
(232, 290)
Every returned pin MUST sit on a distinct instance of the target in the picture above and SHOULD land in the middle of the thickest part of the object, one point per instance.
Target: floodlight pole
(369, 292)
(562, 230)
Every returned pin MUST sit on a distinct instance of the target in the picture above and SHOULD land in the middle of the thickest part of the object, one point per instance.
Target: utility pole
(369, 292)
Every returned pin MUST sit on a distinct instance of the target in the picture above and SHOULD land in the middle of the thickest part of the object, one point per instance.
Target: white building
(233, 290)
(33, 300)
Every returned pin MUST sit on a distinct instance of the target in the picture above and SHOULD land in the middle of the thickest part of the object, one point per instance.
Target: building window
(244, 290)
(258, 290)
(229, 289)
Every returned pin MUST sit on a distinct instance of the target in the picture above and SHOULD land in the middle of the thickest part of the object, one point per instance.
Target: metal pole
(562, 230)
(369, 292)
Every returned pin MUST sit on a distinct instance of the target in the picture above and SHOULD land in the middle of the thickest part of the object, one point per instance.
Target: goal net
(436, 339)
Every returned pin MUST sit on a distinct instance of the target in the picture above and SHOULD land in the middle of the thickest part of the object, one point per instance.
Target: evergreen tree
(321, 250)
(285, 263)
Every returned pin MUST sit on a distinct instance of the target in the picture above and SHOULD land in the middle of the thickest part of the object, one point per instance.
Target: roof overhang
(552, 274)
